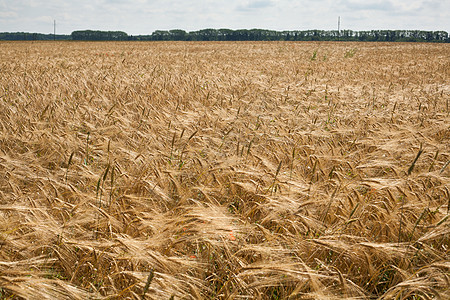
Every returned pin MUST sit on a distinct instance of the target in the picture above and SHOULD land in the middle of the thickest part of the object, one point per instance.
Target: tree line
(296, 35)
(27, 36)
(242, 35)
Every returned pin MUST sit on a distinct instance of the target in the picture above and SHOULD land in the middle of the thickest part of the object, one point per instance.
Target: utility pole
(54, 30)
(339, 27)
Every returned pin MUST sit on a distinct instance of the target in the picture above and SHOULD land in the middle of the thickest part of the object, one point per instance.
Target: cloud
(8, 14)
(44, 19)
(421, 6)
(254, 5)
(356, 5)
(397, 7)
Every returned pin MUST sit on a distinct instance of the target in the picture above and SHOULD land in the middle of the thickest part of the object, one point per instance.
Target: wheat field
(251, 170)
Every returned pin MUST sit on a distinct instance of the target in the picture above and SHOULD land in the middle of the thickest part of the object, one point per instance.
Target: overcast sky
(145, 16)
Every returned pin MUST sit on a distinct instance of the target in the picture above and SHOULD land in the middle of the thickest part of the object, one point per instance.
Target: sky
(145, 16)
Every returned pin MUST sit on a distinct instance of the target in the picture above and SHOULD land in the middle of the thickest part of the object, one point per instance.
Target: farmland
(250, 170)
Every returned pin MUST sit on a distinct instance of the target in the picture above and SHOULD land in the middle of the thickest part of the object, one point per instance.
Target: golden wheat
(224, 170)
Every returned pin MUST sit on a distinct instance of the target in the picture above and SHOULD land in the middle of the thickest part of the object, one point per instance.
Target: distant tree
(178, 35)
(206, 35)
(160, 35)
(97, 35)
(26, 36)
(224, 34)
